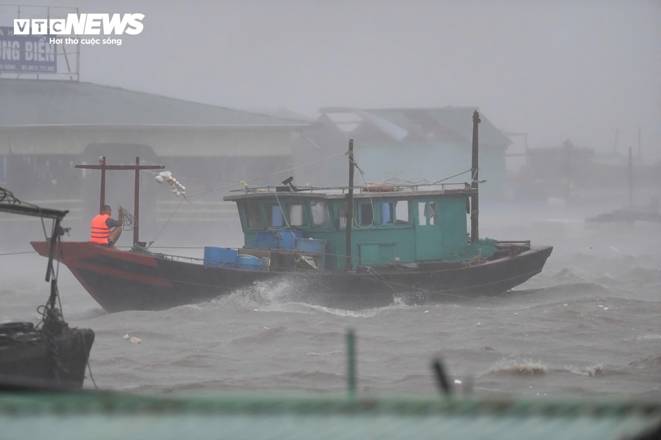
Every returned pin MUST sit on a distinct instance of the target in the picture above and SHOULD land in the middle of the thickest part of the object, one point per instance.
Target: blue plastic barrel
(219, 256)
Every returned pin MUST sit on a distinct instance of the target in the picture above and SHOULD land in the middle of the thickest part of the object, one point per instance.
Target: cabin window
(277, 221)
(296, 215)
(342, 217)
(366, 214)
(402, 211)
(394, 212)
(426, 213)
(387, 209)
(319, 211)
(254, 215)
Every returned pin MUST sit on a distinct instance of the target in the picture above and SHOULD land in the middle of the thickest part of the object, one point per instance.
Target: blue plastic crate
(287, 238)
(219, 256)
(310, 245)
(266, 240)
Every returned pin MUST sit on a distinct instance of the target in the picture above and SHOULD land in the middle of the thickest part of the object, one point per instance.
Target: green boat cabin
(390, 226)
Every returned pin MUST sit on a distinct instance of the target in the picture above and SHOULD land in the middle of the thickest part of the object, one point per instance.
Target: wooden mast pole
(102, 196)
(136, 203)
(349, 209)
(475, 203)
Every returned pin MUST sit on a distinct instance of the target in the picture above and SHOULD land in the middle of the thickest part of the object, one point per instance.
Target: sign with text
(26, 53)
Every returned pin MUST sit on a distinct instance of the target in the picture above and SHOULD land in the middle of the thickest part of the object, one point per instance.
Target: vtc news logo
(82, 24)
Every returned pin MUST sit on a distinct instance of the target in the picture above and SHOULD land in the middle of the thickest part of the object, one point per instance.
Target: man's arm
(112, 223)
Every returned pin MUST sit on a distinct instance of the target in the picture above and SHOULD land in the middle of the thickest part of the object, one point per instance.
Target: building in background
(47, 125)
(401, 145)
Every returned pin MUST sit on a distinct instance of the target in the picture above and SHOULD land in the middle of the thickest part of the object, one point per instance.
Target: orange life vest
(100, 232)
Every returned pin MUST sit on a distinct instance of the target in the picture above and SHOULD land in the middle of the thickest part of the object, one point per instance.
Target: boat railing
(513, 246)
(180, 258)
(513, 242)
(370, 188)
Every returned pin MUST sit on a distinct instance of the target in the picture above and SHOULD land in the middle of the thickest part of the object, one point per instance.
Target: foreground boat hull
(122, 280)
(33, 359)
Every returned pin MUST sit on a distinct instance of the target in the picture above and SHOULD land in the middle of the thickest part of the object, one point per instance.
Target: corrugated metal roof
(113, 415)
(426, 124)
(39, 103)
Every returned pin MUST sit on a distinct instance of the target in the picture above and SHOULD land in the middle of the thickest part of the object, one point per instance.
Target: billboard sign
(26, 53)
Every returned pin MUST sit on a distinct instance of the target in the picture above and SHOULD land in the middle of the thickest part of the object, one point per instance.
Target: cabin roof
(340, 193)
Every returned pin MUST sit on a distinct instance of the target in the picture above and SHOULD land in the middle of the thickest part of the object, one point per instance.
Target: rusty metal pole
(102, 195)
(475, 202)
(136, 203)
(349, 209)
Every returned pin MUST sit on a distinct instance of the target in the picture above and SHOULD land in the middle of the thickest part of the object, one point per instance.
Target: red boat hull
(126, 280)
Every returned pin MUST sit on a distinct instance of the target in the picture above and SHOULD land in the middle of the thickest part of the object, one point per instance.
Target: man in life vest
(104, 230)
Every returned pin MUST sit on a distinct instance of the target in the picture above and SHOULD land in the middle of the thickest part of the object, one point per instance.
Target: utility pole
(630, 177)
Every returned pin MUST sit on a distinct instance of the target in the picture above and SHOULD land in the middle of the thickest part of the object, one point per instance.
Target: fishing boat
(49, 355)
(353, 246)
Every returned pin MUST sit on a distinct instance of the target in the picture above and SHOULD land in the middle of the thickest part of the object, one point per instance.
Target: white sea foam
(590, 371)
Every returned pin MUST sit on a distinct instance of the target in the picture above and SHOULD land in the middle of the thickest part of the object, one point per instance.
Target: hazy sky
(554, 69)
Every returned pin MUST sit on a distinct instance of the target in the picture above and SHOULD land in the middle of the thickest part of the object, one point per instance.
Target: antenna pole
(475, 204)
(349, 210)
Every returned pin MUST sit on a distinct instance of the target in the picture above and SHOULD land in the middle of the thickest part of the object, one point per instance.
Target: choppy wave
(590, 370)
(264, 336)
(530, 367)
(518, 367)
(649, 337)
(653, 361)
(284, 295)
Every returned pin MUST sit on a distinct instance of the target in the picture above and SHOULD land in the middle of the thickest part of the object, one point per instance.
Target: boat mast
(102, 195)
(349, 209)
(136, 202)
(475, 210)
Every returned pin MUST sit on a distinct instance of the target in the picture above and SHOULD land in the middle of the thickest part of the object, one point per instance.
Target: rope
(43, 227)
(167, 222)
(282, 212)
(16, 253)
(452, 176)
(89, 369)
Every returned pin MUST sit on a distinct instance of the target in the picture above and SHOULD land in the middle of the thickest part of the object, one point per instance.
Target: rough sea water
(589, 324)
